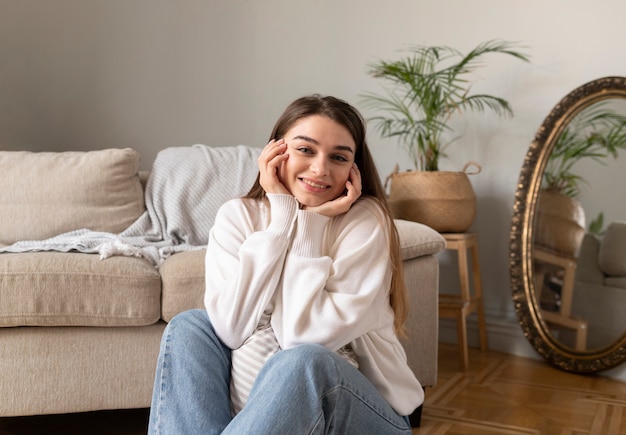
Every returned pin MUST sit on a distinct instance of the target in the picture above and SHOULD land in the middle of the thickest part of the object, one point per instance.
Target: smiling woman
(305, 294)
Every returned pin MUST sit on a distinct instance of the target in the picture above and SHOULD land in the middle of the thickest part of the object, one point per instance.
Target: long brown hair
(344, 114)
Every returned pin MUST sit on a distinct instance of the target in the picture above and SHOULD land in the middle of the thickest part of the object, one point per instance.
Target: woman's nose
(319, 166)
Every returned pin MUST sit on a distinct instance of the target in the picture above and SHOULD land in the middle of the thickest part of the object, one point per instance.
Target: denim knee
(192, 326)
(190, 319)
(314, 353)
(306, 358)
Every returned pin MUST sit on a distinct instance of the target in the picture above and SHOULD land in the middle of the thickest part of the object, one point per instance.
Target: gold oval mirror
(567, 260)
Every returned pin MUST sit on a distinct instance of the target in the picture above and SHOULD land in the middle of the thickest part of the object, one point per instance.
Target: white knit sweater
(328, 279)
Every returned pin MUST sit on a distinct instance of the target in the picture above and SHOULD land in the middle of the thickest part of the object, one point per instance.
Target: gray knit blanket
(185, 188)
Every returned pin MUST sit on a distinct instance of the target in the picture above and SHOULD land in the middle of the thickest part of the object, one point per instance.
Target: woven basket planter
(559, 224)
(445, 201)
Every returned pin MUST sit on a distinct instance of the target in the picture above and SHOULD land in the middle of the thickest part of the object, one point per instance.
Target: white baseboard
(505, 335)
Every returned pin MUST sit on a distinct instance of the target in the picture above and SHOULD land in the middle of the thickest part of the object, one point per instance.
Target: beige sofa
(599, 293)
(81, 333)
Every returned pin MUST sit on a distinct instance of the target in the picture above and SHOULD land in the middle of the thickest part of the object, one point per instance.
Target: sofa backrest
(45, 194)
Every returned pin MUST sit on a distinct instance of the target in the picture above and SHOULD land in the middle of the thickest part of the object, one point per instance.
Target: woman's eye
(340, 158)
(304, 150)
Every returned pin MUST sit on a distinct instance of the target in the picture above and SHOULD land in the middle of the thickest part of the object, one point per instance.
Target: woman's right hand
(270, 161)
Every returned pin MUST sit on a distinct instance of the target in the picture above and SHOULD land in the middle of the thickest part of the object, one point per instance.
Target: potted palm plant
(422, 91)
(597, 133)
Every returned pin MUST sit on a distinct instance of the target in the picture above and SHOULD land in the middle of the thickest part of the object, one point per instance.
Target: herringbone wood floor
(503, 394)
(499, 394)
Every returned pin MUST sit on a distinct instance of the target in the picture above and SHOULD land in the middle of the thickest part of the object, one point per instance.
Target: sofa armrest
(588, 268)
(418, 240)
(421, 276)
(419, 245)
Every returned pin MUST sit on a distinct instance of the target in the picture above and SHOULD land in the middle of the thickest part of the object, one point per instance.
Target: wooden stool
(460, 306)
(563, 317)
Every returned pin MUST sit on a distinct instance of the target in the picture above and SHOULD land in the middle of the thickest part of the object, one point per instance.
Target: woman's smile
(314, 186)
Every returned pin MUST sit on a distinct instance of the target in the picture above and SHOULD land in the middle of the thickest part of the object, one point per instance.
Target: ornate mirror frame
(522, 234)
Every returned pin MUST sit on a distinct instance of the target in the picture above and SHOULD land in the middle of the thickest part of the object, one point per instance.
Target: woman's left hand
(343, 203)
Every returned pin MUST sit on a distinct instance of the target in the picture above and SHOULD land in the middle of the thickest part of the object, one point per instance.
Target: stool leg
(461, 327)
(581, 337)
(478, 292)
(482, 326)
(464, 272)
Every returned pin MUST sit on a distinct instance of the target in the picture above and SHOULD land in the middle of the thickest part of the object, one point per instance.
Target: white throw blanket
(186, 187)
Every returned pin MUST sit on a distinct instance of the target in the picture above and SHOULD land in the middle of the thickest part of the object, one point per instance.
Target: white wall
(149, 74)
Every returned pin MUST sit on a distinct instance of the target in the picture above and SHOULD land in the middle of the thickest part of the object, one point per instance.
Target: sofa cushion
(61, 289)
(612, 257)
(418, 239)
(46, 194)
(182, 277)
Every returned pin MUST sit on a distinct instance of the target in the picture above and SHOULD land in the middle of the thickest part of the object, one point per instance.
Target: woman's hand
(343, 203)
(270, 161)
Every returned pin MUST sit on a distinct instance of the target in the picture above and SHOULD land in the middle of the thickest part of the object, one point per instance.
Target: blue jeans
(304, 390)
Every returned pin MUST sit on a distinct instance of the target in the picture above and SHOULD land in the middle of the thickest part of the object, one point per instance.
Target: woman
(308, 262)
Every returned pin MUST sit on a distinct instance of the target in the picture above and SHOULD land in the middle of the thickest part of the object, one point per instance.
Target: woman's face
(321, 153)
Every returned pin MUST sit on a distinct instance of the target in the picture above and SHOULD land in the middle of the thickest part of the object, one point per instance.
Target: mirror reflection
(579, 246)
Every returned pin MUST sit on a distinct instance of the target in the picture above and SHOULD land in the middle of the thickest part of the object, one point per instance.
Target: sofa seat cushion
(62, 289)
(182, 277)
(46, 194)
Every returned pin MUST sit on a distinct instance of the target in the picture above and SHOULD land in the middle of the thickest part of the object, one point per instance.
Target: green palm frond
(423, 89)
(597, 133)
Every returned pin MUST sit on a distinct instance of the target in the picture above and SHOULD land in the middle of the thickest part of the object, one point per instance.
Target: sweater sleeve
(244, 264)
(336, 278)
